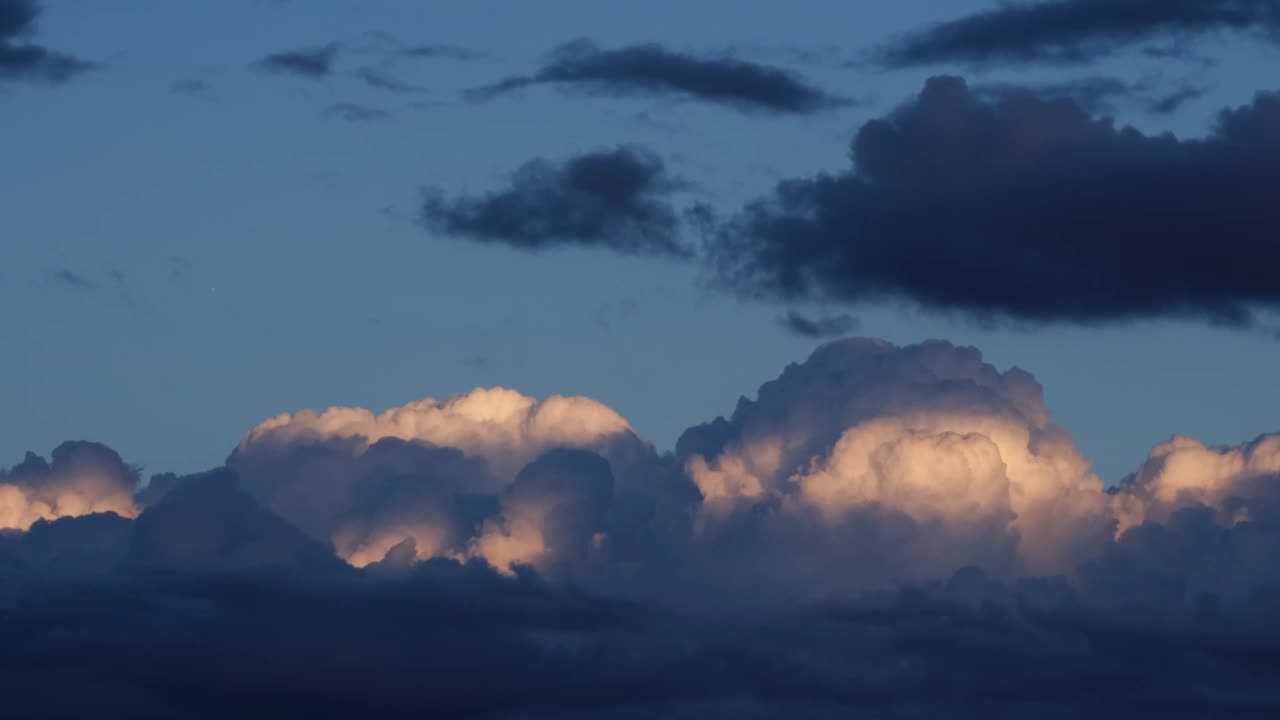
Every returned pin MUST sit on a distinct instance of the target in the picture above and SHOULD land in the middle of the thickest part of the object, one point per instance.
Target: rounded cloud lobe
(83, 478)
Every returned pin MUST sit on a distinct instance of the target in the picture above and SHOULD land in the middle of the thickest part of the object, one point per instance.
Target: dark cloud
(1101, 94)
(617, 199)
(1074, 30)
(654, 70)
(1028, 209)
(22, 60)
(382, 81)
(315, 62)
(72, 279)
(817, 327)
(356, 113)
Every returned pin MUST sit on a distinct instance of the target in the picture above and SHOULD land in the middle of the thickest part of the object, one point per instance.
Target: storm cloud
(1075, 30)
(1016, 207)
(654, 70)
(618, 199)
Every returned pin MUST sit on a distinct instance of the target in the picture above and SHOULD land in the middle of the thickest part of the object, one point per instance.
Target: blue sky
(244, 252)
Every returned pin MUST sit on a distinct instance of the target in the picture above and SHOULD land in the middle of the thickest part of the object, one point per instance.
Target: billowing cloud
(893, 530)
(1075, 30)
(617, 199)
(654, 70)
(316, 62)
(1017, 207)
(22, 60)
(82, 478)
(429, 472)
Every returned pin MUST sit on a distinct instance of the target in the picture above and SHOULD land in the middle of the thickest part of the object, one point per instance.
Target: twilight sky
(194, 240)
(828, 358)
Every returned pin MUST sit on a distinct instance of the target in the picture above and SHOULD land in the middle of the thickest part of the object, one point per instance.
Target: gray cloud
(655, 70)
(1028, 209)
(22, 60)
(1074, 30)
(617, 199)
(314, 62)
(820, 327)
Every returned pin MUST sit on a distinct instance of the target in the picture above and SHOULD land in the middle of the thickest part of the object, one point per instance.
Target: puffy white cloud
(1183, 472)
(502, 426)
(967, 453)
(83, 478)
(430, 472)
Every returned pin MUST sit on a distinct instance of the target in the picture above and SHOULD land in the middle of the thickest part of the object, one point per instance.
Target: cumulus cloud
(654, 70)
(880, 529)
(22, 60)
(82, 478)
(617, 199)
(1017, 207)
(925, 452)
(1075, 30)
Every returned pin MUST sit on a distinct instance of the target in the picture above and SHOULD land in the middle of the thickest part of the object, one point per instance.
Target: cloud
(82, 478)
(1100, 94)
(20, 60)
(1026, 209)
(655, 70)
(617, 199)
(357, 113)
(820, 327)
(72, 279)
(314, 62)
(382, 81)
(1074, 30)
(897, 531)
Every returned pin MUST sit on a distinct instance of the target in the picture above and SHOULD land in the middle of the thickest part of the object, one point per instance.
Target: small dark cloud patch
(654, 70)
(384, 81)
(315, 62)
(825, 326)
(1027, 210)
(441, 51)
(617, 199)
(356, 113)
(73, 279)
(22, 60)
(1072, 31)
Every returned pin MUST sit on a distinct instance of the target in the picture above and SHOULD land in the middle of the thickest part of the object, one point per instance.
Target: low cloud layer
(655, 70)
(897, 530)
(618, 199)
(1018, 207)
(21, 59)
(1075, 30)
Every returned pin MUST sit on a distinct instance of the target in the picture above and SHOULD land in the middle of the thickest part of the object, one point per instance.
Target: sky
(604, 359)
(246, 249)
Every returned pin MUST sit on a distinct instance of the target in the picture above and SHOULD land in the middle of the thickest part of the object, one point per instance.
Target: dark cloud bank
(994, 202)
(655, 70)
(21, 59)
(1021, 207)
(1076, 30)
(881, 532)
